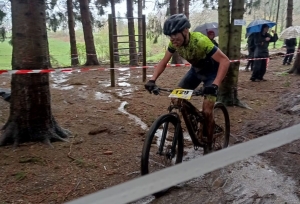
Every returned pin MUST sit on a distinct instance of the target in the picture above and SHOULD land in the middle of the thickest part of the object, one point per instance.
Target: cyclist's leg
(190, 80)
(208, 107)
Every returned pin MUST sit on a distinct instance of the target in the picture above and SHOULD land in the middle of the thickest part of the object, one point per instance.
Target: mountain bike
(164, 142)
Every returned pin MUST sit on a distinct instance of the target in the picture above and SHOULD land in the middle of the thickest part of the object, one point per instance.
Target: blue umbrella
(256, 25)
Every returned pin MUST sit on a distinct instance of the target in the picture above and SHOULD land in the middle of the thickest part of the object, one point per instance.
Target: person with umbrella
(211, 35)
(290, 35)
(251, 48)
(261, 41)
(291, 44)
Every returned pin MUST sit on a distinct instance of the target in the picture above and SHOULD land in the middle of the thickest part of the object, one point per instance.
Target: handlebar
(157, 90)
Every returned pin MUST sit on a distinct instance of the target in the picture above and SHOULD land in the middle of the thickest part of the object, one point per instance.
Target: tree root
(239, 103)
(13, 133)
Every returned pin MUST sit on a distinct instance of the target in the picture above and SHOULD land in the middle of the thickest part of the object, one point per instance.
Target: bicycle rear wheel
(163, 146)
(222, 127)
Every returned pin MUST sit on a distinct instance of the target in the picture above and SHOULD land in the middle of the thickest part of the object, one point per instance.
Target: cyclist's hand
(150, 85)
(211, 90)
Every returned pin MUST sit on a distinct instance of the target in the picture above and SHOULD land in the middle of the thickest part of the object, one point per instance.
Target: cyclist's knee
(207, 110)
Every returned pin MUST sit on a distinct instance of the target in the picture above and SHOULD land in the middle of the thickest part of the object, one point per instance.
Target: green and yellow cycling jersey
(198, 49)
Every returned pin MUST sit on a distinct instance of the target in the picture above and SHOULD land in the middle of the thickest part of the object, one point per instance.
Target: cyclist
(198, 50)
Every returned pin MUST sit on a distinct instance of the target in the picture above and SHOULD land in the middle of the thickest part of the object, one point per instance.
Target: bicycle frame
(185, 108)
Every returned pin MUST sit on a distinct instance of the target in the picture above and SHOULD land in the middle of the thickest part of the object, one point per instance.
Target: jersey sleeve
(207, 46)
(171, 47)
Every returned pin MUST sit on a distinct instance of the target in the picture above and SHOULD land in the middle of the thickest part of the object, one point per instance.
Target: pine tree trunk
(282, 15)
(224, 23)
(289, 16)
(30, 116)
(131, 33)
(115, 32)
(228, 90)
(71, 25)
(91, 56)
(180, 6)
(187, 8)
(271, 3)
(176, 59)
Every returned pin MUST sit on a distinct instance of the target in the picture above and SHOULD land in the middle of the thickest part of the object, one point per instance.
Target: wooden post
(144, 48)
(111, 50)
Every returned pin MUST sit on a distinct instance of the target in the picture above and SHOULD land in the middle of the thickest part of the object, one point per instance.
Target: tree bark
(289, 16)
(187, 8)
(277, 14)
(271, 3)
(224, 23)
(180, 6)
(283, 14)
(30, 116)
(228, 90)
(115, 31)
(91, 56)
(71, 25)
(131, 33)
(176, 59)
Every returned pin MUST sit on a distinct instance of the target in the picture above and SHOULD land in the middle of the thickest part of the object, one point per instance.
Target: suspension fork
(174, 141)
(163, 138)
(178, 130)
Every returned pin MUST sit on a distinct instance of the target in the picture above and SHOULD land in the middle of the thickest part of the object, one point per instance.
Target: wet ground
(109, 126)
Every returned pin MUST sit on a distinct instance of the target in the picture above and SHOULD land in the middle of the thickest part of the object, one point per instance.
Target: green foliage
(56, 20)
(154, 28)
(2, 34)
(2, 16)
(33, 160)
(252, 4)
(5, 55)
(20, 176)
(249, 4)
(81, 52)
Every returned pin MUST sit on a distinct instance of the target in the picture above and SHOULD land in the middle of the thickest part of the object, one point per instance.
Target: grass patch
(59, 52)
(20, 175)
(5, 55)
(34, 160)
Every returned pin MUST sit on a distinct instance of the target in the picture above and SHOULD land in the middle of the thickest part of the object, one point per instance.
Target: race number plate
(181, 93)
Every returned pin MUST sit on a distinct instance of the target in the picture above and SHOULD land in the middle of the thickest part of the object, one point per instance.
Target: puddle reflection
(59, 78)
(132, 117)
(103, 96)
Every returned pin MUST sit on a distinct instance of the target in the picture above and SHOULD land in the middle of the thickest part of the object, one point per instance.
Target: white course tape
(146, 185)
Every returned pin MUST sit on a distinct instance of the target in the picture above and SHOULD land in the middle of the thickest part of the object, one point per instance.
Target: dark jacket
(215, 42)
(251, 45)
(261, 45)
(291, 43)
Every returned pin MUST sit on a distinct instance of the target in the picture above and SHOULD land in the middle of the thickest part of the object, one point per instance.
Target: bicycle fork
(171, 150)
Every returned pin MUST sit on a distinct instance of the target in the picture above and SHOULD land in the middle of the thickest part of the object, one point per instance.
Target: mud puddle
(58, 80)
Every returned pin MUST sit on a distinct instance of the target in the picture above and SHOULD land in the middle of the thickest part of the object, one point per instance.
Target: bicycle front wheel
(163, 146)
(222, 127)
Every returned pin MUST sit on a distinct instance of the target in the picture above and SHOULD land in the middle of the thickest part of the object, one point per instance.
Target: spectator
(251, 48)
(261, 41)
(290, 49)
(211, 35)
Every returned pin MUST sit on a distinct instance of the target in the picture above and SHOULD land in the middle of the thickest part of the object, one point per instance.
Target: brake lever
(155, 91)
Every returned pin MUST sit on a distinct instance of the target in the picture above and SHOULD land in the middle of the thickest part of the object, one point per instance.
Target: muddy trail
(109, 126)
